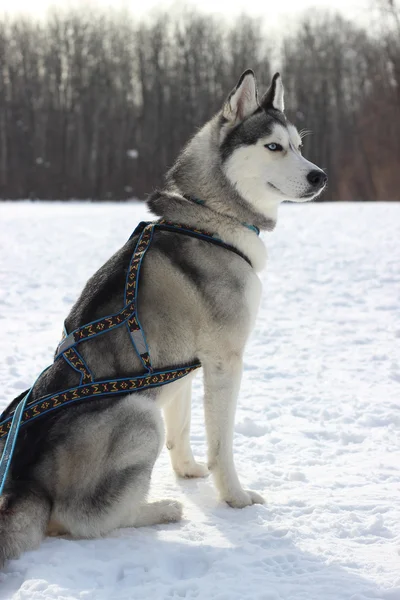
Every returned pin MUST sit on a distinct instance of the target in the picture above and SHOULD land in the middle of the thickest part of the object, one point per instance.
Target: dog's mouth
(313, 194)
(307, 196)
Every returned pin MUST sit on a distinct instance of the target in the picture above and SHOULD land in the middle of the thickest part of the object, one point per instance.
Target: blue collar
(198, 201)
(252, 227)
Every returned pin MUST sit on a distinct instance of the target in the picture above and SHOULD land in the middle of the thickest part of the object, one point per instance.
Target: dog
(85, 470)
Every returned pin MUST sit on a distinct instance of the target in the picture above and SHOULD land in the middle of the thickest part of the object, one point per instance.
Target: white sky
(275, 12)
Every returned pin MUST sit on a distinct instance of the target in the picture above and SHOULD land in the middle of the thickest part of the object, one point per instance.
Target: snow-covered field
(317, 427)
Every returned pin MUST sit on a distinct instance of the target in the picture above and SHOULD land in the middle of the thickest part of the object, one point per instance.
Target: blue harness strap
(12, 428)
(76, 361)
(109, 387)
(131, 293)
(25, 412)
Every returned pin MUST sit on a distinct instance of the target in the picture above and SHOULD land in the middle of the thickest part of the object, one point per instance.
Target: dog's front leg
(221, 388)
(177, 422)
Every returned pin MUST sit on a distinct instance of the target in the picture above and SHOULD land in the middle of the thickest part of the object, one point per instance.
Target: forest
(98, 105)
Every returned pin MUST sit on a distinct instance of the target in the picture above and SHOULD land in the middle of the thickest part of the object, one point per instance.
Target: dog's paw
(244, 498)
(191, 469)
(170, 511)
(255, 497)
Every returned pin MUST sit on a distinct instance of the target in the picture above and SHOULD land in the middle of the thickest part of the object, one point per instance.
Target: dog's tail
(24, 515)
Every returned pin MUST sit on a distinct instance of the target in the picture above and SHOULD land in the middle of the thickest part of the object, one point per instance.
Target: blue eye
(274, 147)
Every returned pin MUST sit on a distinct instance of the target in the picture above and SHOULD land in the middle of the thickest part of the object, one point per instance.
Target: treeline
(98, 106)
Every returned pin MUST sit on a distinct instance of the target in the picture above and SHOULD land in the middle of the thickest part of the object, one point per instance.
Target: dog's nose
(317, 178)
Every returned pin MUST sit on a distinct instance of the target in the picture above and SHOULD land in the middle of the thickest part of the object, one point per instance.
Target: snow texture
(317, 427)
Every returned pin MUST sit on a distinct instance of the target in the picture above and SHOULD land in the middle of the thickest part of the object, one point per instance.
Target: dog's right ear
(242, 101)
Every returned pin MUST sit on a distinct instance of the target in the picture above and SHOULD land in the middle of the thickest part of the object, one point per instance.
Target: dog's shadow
(221, 554)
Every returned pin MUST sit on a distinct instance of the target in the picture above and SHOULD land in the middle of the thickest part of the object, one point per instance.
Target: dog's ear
(273, 97)
(242, 101)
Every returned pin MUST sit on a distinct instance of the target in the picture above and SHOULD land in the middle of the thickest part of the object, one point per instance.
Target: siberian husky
(85, 470)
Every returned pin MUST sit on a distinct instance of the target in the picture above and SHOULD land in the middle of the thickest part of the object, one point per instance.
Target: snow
(317, 427)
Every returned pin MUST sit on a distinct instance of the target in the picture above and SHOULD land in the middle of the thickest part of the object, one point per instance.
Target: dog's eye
(273, 147)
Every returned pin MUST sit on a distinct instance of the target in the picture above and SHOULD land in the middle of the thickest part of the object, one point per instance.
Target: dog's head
(261, 150)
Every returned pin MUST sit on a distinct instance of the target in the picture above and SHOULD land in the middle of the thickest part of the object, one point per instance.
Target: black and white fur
(85, 470)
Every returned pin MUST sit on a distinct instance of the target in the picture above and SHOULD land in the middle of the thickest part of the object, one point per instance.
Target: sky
(278, 13)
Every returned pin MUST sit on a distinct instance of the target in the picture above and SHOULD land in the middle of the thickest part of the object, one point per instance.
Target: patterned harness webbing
(128, 316)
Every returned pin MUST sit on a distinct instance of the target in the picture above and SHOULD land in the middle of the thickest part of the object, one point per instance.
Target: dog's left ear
(242, 101)
(273, 97)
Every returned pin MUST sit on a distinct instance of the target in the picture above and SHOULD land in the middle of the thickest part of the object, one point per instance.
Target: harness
(68, 349)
